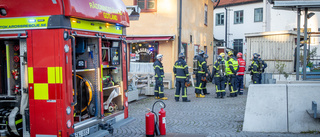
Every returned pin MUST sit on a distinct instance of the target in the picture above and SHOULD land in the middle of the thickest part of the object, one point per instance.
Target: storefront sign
(145, 50)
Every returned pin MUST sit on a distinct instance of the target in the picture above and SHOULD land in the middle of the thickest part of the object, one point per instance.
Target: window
(196, 49)
(237, 46)
(258, 15)
(219, 19)
(146, 5)
(143, 52)
(238, 17)
(184, 49)
(205, 14)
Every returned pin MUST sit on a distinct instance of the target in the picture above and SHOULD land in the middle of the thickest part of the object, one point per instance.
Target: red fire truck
(63, 67)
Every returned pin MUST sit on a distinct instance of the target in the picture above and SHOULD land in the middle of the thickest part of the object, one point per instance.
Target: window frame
(146, 5)
(219, 24)
(235, 17)
(261, 15)
(206, 14)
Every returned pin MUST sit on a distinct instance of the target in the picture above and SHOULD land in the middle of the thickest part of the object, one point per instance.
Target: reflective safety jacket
(158, 69)
(231, 66)
(254, 67)
(242, 66)
(180, 69)
(202, 65)
(216, 69)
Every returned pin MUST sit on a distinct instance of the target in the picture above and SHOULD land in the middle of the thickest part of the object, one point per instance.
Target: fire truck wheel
(92, 109)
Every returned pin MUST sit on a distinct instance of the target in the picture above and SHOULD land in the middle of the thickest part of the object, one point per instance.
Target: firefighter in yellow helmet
(222, 55)
(231, 71)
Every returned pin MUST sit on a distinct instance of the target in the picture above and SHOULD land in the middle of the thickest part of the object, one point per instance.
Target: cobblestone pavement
(208, 116)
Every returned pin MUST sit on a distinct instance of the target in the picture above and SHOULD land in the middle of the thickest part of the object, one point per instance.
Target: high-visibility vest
(242, 66)
(234, 64)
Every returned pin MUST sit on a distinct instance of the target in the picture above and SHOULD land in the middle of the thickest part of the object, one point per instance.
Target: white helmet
(159, 56)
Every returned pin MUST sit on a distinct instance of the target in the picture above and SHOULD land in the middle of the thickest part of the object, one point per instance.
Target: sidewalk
(201, 117)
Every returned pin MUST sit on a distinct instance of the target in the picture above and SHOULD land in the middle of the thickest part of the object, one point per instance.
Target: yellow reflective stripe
(98, 26)
(179, 67)
(181, 77)
(187, 75)
(101, 84)
(41, 91)
(58, 74)
(51, 75)
(201, 72)
(23, 23)
(222, 90)
(18, 121)
(185, 66)
(8, 61)
(203, 63)
(185, 93)
(177, 95)
(160, 91)
(199, 86)
(30, 75)
(156, 91)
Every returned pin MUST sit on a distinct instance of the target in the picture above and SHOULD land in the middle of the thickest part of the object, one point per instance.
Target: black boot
(186, 100)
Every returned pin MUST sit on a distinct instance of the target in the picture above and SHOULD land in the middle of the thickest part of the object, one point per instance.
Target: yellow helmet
(222, 55)
(230, 53)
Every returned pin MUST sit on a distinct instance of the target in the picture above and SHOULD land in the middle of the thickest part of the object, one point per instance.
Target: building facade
(157, 32)
(252, 16)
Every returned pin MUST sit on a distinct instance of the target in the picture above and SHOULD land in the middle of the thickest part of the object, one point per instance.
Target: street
(201, 117)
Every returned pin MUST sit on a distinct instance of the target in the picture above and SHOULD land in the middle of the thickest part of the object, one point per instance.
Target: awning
(136, 39)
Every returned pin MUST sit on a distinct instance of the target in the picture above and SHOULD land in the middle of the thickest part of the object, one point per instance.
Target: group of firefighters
(225, 72)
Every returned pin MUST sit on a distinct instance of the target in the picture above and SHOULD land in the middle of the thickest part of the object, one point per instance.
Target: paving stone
(207, 116)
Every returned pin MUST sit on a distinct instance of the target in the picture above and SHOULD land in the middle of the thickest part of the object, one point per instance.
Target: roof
(257, 34)
(312, 5)
(224, 3)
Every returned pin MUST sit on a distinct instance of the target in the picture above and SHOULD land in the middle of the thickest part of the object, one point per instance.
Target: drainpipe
(226, 30)
(298, 44)
(179, 40)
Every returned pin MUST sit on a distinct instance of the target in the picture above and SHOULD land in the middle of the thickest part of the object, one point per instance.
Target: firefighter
(218, 73)
(180, 70)
(200, 73)
(240, 73)
(262, 67)
(222, 55)
(204, 89)
(253, 68)
(159, 74)
(231, 71)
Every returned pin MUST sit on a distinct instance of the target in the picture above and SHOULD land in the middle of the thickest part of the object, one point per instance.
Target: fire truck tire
(92, 109)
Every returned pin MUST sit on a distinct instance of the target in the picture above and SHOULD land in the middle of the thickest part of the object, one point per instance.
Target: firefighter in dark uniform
(200, 73)
(262, 67)
(218, 73)
(180, 70)
(231, 71)
(253, 68)
(159, 74)
(204, 89)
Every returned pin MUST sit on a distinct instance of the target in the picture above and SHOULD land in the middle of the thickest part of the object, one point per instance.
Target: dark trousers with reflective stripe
(232, 85)
(204, 89)
(220, 86)
(240, 84)
(158, 88)
(256, 78)
(180, 85)
(199, 83)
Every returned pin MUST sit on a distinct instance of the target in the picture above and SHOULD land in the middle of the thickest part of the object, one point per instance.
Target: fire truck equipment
(16, 59)
(16, 47)
(152, 123)
(15, 74)
(107, 104)
(16, 89)
(84, 87)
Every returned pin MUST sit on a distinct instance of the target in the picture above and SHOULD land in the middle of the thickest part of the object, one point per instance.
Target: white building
(250, 16)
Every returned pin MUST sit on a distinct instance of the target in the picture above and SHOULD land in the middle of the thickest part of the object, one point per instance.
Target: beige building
(157, 32)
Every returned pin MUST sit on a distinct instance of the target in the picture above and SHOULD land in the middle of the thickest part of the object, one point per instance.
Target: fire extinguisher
(152, 123)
